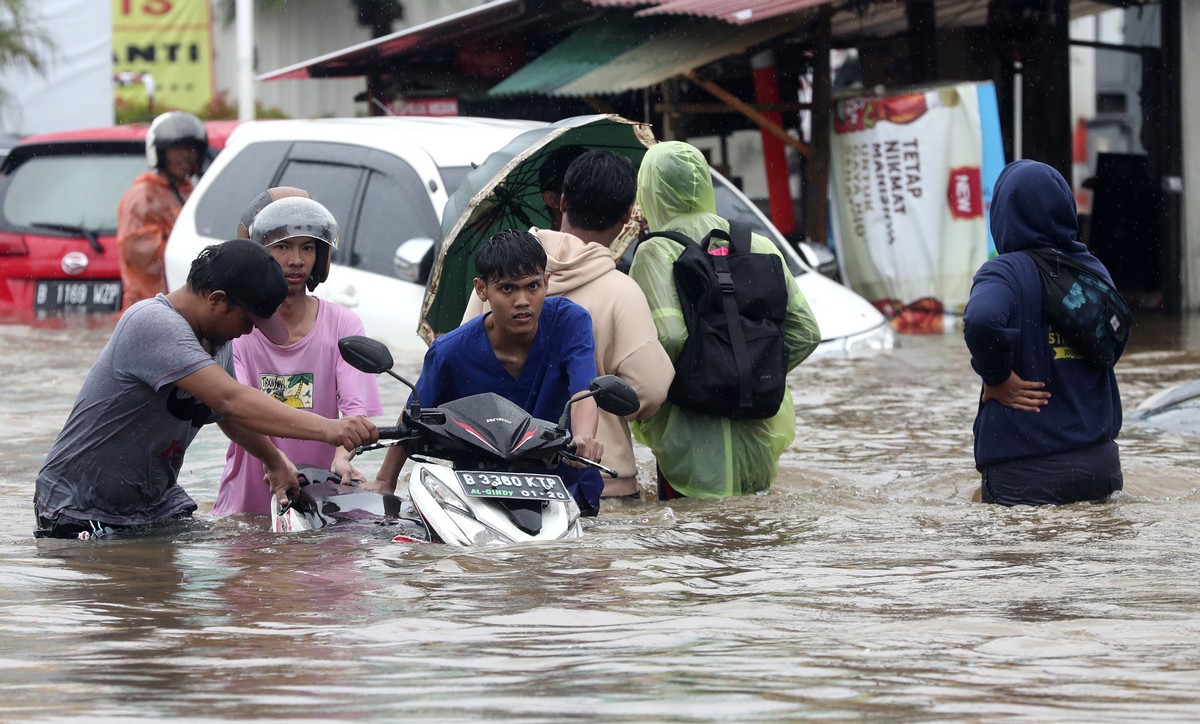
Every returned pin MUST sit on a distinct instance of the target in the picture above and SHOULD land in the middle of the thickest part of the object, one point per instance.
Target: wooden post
(816, 186)
(1171, 154)
(922, 41)
(747, 110)
(1046, 96)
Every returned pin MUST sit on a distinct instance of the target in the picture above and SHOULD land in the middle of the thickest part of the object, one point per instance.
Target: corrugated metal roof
(354, 59)
(676, 49)
(581, 53)
(737, 12)
(684, 47)
(881, 18)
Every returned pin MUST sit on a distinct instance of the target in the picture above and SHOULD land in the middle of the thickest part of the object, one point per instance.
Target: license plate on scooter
(513, 486)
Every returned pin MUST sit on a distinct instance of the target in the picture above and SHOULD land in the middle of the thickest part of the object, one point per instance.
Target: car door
(381, 201)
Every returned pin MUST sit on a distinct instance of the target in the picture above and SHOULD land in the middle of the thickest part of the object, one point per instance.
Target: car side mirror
(805, 250)
(819, 258)
(413, 259)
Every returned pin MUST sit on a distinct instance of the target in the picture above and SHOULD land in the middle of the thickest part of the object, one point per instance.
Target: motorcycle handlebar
(392, 432)
(590, 463)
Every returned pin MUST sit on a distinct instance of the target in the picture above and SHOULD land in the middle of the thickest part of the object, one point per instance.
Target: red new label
(965, 193)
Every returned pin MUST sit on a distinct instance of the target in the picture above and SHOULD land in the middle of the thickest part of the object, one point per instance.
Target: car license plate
(513, 486)
(77, 296)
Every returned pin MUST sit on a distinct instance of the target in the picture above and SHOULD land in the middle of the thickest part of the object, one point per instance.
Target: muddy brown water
(866, 585)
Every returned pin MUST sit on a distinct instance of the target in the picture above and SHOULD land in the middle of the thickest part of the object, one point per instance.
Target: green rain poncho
(704, 456)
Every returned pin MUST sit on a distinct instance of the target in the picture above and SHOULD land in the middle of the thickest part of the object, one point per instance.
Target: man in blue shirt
(532, 350)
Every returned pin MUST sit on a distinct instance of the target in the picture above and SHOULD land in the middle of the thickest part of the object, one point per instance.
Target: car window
(453, 176)
(248, 174)
(333, 185)
(75, 190)
(731, 207)
(396, 208)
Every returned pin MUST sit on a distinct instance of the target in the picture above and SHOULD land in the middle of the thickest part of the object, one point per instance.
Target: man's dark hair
(599, 187)
(199, 278)
(510, 254)
(554, 168)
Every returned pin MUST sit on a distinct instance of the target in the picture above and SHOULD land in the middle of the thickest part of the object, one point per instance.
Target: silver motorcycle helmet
(171, 128)
(261, 201)
(299, 217)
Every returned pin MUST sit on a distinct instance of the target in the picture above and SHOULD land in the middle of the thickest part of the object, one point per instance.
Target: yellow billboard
(162, 53)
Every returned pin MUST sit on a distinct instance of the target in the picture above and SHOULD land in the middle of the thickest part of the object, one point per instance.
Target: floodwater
(865, 585)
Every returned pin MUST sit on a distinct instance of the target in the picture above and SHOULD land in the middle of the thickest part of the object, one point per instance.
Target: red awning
(737, 12)
(437, 34)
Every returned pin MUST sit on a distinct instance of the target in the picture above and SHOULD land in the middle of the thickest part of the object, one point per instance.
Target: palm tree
(22, 44)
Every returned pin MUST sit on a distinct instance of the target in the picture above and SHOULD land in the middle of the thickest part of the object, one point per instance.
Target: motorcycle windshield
(498, 426)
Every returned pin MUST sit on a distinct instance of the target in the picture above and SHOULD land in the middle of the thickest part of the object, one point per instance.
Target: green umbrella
(504, 193)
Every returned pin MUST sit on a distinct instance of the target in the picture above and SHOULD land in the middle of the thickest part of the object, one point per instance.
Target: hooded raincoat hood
(675, 189)
(1032, 206)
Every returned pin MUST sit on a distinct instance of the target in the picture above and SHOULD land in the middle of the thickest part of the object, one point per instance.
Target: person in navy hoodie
(1048, 419)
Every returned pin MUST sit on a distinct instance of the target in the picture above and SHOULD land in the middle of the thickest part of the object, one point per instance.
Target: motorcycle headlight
(444, 494)
(490, 537)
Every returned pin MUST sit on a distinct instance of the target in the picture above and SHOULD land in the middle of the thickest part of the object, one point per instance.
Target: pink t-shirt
(310, 375)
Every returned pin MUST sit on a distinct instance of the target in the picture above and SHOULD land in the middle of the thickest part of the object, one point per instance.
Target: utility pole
(245, 59)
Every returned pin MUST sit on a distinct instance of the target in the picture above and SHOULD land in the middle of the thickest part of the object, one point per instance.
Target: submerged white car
(386, 181)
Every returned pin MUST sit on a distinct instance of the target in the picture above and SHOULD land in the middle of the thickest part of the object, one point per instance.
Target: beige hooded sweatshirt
(626, 340)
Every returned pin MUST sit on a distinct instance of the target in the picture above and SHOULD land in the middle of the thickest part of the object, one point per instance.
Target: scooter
(478, 491)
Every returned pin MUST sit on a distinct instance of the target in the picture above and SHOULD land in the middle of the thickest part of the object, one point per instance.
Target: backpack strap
(736, 334)
(739, 237)
(674, 236)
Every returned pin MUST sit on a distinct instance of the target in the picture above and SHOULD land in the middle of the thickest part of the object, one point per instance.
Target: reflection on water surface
(867, 584)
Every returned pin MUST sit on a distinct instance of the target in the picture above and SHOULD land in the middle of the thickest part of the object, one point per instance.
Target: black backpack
(1082, 306)
(734, 362)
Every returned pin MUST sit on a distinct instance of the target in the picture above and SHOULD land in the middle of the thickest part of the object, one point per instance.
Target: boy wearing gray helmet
(305, 370)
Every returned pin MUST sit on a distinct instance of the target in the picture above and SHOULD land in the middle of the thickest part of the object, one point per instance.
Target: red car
(58, 218)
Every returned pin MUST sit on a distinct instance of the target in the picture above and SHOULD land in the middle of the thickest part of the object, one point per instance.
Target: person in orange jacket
(175, 144)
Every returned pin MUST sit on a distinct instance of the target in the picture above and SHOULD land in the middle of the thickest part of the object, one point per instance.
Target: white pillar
(245, 59)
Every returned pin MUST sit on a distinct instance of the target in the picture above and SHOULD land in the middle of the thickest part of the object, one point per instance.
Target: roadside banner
(162, 53)
(911, 181)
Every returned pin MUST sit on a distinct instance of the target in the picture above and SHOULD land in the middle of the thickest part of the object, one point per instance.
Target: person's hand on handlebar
(283, 477)
(345, 470)
(351, 432)
(586, 447)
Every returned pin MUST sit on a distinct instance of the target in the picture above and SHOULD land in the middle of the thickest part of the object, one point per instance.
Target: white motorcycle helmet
(296, 216)
(175, 127)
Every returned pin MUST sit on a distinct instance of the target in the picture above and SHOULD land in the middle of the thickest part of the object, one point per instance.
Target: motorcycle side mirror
(373, 357)
(365, 354)
(612, 394)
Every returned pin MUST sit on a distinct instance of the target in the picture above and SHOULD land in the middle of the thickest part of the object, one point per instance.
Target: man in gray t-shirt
(166, 371)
